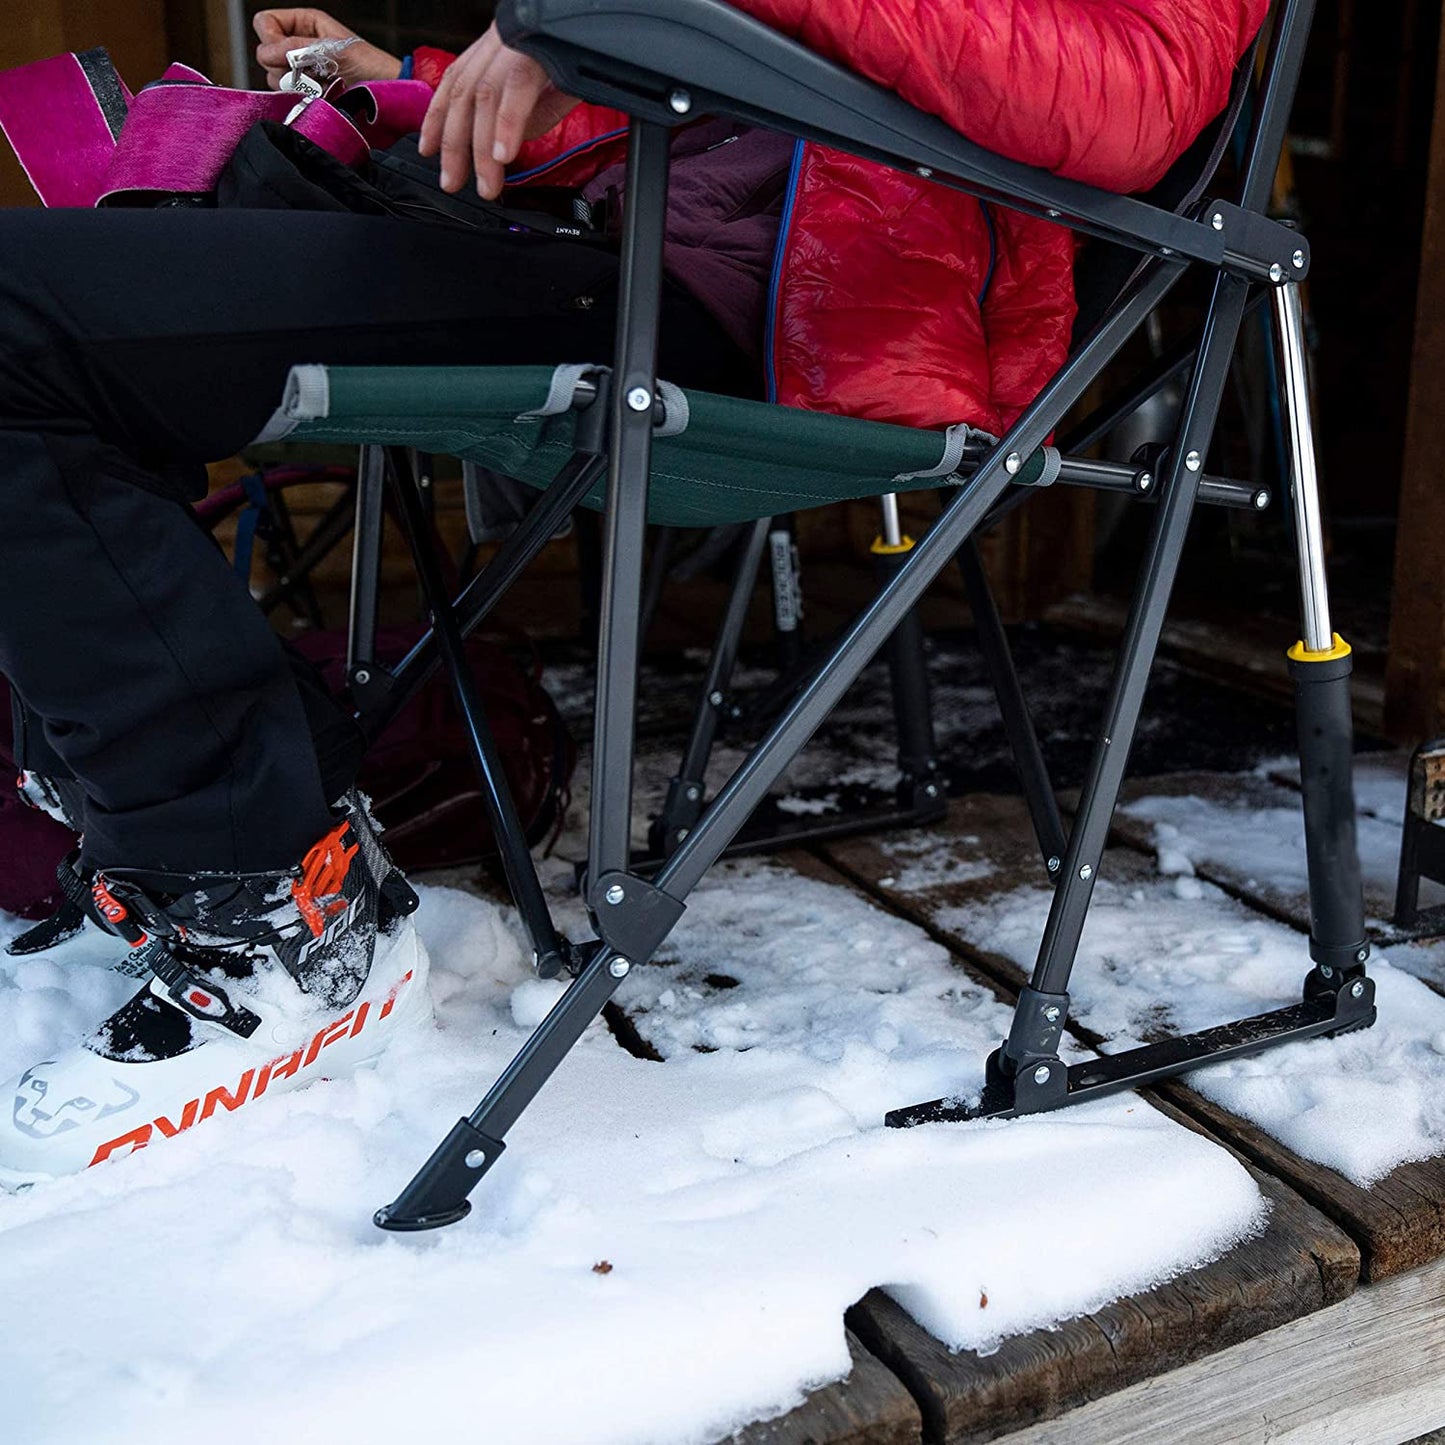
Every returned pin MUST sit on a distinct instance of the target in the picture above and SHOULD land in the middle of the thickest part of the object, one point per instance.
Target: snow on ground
(664, 1252)
(1264, 846)
(1175, 955)
(1380, 782)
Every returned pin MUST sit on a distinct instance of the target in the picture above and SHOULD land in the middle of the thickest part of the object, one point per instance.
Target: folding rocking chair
(641, 449)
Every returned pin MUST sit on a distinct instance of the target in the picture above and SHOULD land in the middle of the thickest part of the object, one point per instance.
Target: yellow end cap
(1300, 653)
(880, 548)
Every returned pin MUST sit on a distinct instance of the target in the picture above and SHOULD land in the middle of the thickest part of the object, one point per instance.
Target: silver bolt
(362, 676)
(925, 171)
(680, 101)
(1053, 865)
(1299, 260)
(1086, 872)
(694, 793)
(1166, 251)
(1276, 272)
(1217, 221)
(1357, 989)
(1052, 1013)
(615, 894)
(1193, 461)
(475, 1158)
(930, 790)
(1053, 214)
(1261, 500)
(1326, 971)
(680, 834)
(1362, 955)
(639, 398)
(620, 967)
(1145, 481)
(1041, 1074)
(715, 698)
(1012, 463)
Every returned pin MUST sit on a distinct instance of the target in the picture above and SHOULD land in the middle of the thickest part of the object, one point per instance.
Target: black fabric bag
(275, 168)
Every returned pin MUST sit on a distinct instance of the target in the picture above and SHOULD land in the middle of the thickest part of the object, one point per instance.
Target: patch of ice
(808, 807)
(932, 861)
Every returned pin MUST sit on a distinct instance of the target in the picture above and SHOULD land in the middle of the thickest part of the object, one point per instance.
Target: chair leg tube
(437, 1195)
(1029, 1057)
(1320, 666)
(1023, 740)
(687, 791)
(663, 545)
(634, 384)
(918, 785)
(361, 671)
(485, 590)
(327, 535)
(552, 954)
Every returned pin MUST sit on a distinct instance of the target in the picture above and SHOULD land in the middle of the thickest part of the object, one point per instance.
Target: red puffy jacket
(897, 299)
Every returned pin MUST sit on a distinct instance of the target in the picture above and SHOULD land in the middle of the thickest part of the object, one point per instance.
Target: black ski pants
(136, 345)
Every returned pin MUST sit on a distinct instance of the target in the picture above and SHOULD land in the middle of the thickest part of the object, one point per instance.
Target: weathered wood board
(1398, 1223)
(1300, 1264)
(870, 1407)
(1367, 1371)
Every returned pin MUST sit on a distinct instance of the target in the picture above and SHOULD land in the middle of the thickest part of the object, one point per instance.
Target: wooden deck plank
(1398, 1223)
(870, 1407)
(1369, 1369)
(1298, 1265)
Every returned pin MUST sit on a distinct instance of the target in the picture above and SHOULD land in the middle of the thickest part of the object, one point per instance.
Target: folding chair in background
(619, 439)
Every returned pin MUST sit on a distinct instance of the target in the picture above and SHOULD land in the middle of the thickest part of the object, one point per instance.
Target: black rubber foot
(1363, 1022)
(437, 1196)
(385, 1219)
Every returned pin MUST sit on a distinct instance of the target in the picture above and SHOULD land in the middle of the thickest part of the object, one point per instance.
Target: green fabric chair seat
(735, 460)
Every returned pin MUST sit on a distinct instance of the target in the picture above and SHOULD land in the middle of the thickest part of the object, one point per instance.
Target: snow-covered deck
(1201, 916)
(702, 1224)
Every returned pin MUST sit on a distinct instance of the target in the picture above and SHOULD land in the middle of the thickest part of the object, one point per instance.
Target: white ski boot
(258, 984)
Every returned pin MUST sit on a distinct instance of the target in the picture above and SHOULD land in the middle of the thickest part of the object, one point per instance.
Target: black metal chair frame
(704, 57)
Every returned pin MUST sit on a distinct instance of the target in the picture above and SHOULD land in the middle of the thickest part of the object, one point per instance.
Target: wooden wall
(1415, 669)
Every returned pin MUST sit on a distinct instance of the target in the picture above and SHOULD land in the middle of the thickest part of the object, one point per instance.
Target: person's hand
(281, 30)
(491, 99)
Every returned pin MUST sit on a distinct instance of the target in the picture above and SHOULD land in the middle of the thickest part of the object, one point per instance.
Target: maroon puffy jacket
(897, 299)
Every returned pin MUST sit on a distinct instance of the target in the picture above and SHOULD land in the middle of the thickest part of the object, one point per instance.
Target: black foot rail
(1048, 1085)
